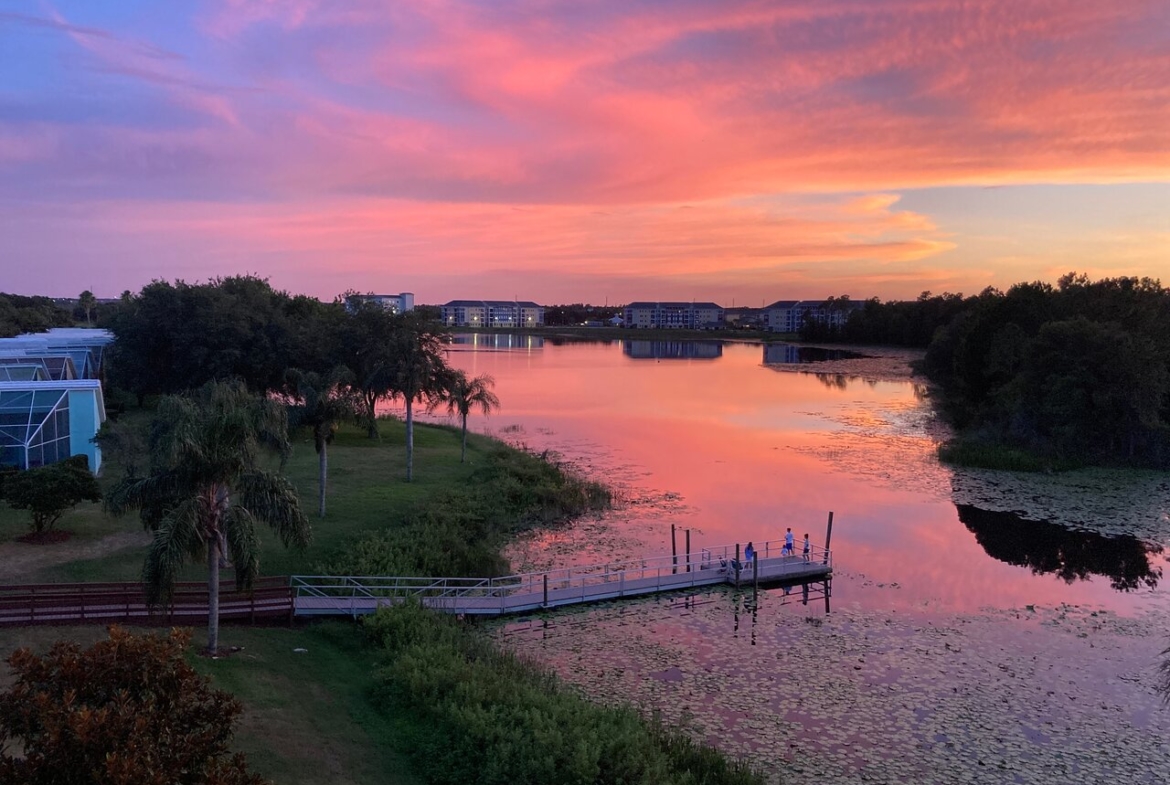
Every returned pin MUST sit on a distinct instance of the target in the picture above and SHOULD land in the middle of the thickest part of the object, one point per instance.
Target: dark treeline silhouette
(176, 337)
(911, 323)
(1047, 548)
(20, 314)
(579, 313)
(1078, 372)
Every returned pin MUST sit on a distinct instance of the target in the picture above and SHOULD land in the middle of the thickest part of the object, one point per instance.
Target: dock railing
(346, 594)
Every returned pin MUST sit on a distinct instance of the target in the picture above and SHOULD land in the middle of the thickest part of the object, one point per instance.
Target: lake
(982, 626)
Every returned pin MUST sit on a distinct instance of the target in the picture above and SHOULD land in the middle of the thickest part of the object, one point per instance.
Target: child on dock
(789, 548)
(807, 547)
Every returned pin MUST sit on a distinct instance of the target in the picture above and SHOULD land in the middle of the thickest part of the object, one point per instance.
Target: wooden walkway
(125, 602)
(516, 594)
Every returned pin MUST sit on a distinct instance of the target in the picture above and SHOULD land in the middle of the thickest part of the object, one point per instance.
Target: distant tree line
(1078, 372)
(20, 314)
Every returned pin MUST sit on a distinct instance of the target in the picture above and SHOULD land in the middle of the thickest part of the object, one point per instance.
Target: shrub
(49, 491)
(128, 710)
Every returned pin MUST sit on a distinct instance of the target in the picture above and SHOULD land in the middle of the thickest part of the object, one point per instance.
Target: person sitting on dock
(807, 547)
(789, 548)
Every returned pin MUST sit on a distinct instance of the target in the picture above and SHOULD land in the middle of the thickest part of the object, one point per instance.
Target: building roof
(491, 304)
(676, 304)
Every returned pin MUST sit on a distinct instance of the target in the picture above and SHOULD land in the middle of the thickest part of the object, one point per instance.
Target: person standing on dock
(789, 544)
(749, 554)
(807, 547)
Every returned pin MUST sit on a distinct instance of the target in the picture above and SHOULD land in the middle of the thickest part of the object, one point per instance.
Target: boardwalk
(515, 594)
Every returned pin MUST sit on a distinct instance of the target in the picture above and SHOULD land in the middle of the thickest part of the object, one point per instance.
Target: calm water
(979, 622)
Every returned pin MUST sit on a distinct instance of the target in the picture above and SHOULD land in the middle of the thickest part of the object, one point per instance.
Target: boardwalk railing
(107, 603)
(327, 594)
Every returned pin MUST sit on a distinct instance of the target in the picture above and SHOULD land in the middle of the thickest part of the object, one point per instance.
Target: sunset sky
(594, 150)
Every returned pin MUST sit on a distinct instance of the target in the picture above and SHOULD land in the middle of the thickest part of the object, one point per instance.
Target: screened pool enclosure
(46, 422)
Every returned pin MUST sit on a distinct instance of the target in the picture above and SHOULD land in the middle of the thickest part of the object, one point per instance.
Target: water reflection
(495, 342)
(1047, 548)
(786, 353)
(673, 350)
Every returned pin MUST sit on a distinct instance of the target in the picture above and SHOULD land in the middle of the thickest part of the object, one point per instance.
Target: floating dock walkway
(323, 595)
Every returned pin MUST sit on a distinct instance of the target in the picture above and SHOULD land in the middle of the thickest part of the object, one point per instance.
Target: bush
(49, 491)
(128, 710)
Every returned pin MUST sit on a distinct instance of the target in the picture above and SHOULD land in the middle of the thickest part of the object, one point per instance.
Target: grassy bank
(981, 454)
(487, 716)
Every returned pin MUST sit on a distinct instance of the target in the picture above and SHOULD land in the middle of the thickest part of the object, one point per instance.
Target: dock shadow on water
(1071, 555)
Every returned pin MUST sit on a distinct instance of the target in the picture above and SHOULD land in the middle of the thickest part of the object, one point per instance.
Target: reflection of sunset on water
(734, 451)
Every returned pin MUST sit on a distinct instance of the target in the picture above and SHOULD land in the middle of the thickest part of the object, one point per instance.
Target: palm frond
(153, 496)
(178, 537)
(243, 544)
(272, 499)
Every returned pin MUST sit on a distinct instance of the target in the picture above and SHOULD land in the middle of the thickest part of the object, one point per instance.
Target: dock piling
(673, 550)
(828, 536)
(688, 550)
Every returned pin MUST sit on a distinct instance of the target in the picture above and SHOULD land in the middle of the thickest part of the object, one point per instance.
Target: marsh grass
(979, 454)
(488, 716)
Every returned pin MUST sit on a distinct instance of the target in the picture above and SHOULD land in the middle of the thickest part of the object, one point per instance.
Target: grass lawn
(366, 491)
(307, 718)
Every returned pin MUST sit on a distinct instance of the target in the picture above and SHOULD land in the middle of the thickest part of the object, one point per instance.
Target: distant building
(788, 316)
(673, 315)
(492, 313)
(51, 403)
(394, 303)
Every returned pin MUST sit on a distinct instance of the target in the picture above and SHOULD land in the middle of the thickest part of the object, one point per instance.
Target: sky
(586, 151)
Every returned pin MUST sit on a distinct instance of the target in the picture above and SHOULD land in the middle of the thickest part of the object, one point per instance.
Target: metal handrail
(530, 583)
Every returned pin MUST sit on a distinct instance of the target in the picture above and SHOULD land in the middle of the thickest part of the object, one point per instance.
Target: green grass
(367, 492)
(978, 454)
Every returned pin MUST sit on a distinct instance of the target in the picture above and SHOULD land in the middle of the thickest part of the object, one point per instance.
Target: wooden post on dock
(828, 536)
(688, 550)
(546, 590)
(737, 565)
(673, 551)
(755, 577)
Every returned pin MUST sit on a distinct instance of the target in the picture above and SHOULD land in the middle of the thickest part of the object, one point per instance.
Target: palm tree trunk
(409, 439)
(463, 451)
(212, 594)
(323, 465)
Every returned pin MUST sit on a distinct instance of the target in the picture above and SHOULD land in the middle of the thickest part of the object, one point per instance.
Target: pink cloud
(681, 145)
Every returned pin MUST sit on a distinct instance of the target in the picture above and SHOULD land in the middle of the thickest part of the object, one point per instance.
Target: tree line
(1077, 372)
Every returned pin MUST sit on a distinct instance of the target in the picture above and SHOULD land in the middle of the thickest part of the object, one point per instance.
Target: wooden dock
(322, 595)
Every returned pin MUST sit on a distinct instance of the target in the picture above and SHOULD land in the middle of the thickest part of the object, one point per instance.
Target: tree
(364, 346)
(87, 302)
(127, 710)
(48, 492)
(206, 491)
(463, 395)
(416, 370)
(321, 403)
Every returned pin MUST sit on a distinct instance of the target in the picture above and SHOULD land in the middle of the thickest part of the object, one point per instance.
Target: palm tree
(206, 492)
(320, 403)
(87, 302)
(463, 395)
(416, 370)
